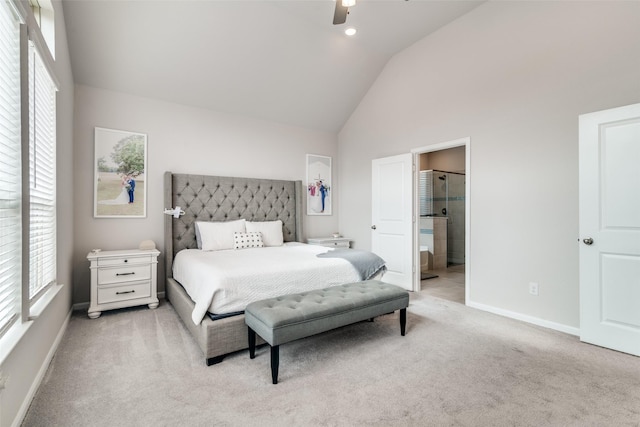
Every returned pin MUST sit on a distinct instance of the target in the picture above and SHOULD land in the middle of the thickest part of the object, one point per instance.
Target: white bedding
(226, 281)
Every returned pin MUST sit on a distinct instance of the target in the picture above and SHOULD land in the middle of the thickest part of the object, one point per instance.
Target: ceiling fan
(342, 10)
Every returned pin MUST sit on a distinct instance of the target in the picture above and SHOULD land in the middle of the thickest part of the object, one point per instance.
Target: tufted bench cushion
(291, 317)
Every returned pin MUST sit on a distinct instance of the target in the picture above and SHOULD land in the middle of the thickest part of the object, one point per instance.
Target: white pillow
(247, 240)
(215, 236)
(271, 231)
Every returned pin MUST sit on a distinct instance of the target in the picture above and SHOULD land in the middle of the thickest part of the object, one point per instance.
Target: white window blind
(10, 169)
(42, 176)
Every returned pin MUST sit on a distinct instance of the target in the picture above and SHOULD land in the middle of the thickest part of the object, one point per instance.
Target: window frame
(28, 307)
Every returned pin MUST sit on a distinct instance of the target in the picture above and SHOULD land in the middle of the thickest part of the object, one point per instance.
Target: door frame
(460, 142)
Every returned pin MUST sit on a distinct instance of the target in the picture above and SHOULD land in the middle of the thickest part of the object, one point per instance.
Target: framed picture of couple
(318, 185)
(120, 167)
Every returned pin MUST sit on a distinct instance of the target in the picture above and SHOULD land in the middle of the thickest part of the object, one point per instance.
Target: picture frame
(319, 185)
(120, 168)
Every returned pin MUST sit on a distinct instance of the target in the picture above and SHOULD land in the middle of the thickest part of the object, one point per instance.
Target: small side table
(123, 278)
(332, 242)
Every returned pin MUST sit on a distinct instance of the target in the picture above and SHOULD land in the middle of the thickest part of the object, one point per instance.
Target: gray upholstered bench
(291, 317)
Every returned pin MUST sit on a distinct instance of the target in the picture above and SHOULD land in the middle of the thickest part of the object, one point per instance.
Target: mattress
(226, 281)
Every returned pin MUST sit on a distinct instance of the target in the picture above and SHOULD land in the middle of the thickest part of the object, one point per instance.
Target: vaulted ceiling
(276, 60)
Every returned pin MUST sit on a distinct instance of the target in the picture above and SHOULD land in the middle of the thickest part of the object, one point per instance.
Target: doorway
(441, 235)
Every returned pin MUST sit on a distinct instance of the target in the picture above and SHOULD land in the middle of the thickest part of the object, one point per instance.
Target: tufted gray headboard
(219, 198)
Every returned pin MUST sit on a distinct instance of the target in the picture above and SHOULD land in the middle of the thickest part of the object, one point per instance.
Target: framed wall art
(318, 185)
(120, 168)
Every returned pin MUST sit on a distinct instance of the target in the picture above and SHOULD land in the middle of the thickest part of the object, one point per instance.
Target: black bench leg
(403, 320)
(275, 361)
(252, 343)
(214, 360)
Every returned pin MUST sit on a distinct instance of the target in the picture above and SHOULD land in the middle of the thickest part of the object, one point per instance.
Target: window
(27, 211)
(42, 176)
(10, 169)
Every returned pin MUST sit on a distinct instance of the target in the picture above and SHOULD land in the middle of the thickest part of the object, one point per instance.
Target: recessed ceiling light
(350, 31)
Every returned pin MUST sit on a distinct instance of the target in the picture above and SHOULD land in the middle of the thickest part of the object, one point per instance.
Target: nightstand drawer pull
(125, 292)
(125, 274)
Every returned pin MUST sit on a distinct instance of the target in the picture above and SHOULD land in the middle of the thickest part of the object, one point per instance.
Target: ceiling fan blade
(340, 15)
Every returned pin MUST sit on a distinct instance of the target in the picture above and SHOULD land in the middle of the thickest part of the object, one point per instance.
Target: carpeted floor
(456, 366)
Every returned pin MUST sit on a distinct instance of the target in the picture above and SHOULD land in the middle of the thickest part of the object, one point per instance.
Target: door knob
(588, 241)
(373, 227)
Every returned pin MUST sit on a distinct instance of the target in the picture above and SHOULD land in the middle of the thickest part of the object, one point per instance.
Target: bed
(206, 198)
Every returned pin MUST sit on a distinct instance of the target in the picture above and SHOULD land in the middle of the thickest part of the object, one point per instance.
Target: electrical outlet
(533, 288)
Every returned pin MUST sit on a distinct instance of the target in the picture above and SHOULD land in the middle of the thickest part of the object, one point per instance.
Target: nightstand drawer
(124, 293)
(129, 273)
(341, 244)
(106, 262)
(330, 242)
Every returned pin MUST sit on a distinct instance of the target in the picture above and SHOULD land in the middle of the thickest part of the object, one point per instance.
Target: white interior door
(392, 215)
(610, 228)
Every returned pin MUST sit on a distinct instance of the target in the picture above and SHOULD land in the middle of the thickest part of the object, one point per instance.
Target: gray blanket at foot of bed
(368, 264)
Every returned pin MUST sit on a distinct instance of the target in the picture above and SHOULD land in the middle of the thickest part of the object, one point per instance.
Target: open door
(610, 228)
(392, 217)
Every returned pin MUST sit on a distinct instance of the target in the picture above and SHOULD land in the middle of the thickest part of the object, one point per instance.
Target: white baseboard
(41, 373)
(525, 318)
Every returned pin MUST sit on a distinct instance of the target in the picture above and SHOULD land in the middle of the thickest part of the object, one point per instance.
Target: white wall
(450, 160)
(513, 76)
(28, 360)
(181, 139)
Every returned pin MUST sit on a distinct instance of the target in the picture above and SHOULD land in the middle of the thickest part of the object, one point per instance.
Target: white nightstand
(123, 279)
(332, 242)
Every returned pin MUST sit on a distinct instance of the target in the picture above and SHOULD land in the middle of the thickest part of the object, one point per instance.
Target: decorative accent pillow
(271, 231)
(247, 240)
(215, 236)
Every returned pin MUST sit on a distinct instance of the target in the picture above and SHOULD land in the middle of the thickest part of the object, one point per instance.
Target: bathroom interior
(442, 223)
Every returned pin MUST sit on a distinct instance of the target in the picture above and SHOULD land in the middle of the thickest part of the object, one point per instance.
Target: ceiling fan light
(348, 3)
